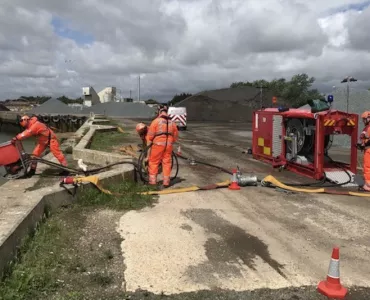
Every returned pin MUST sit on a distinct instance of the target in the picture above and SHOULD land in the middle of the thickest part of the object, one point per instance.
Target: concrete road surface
(241, 240)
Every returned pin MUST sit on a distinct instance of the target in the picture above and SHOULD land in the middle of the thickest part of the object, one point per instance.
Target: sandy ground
(240, 240)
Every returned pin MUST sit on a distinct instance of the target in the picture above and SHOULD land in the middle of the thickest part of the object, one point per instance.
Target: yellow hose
(272, 180)
(275, 182)
(95, 181)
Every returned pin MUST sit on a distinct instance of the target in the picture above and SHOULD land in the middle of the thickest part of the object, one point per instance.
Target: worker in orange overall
(365, 146)
(142, 131)
(162, 134)
(45, 138)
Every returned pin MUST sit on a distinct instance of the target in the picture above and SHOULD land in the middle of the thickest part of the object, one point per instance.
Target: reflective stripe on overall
(161, 149)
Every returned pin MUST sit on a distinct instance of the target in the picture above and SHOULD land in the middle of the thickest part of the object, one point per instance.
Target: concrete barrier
(21, 212)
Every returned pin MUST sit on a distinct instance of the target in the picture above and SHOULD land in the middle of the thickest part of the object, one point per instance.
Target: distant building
(90, 96)
(107, 95)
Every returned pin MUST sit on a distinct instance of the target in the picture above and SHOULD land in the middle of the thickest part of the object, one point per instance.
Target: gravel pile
(3, 108)
(122, 109)
(231, 104)
(359, 101)
(53, 106)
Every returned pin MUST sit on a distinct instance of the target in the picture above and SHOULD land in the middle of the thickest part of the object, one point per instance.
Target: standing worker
(162, 134)
(365, 146)
(45, 138)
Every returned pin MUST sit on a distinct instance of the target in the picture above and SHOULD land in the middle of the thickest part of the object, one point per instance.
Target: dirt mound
(3, 108)
(122, 109)
(53, 106)
(232, 104)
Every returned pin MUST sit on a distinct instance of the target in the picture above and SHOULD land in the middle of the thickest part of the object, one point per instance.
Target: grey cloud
(280, 31)
(203, 45)
(358, 30)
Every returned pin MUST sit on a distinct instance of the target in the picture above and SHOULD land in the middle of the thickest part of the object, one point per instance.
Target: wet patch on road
(229, 246)
(186, 227)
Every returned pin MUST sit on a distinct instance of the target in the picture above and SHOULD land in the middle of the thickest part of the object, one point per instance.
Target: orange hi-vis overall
(365, 140)
(162, 133)
(45, 137)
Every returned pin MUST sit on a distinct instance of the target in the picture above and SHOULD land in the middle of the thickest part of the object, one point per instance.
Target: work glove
(13, 140)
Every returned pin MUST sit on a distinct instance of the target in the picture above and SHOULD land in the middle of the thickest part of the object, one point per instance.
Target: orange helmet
(24, 121)
(365, 114)
(140, 127)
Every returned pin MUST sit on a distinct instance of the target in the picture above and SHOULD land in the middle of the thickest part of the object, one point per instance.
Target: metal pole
(139, 87)
(347, 95)
(261, 91)
(261, 94)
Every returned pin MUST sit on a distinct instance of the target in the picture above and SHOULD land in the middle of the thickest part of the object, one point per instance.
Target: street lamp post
(261, 94)
(348, 79)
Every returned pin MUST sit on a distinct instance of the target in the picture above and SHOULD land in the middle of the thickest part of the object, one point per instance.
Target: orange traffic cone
(331, 287)
(179, 150)
(234, 184)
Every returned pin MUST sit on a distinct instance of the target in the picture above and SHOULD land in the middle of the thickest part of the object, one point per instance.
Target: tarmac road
(252, 239)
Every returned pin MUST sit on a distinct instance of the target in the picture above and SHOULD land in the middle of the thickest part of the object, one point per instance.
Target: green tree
(295, 92)
(178, 97)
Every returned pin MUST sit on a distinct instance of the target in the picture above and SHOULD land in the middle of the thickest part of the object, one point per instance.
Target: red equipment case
(14, 159)
(9, 154)
(274, 133)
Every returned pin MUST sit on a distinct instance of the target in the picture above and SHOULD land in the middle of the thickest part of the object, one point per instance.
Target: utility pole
(130, 94)
(261, 94)
(139, 90)
(348, 79)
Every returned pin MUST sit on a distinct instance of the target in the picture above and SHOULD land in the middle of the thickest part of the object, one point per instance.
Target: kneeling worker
(161, 135)
(365, 146)
(45, 138)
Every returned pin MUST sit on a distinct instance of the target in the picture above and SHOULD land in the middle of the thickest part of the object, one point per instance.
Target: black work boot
(30, 173)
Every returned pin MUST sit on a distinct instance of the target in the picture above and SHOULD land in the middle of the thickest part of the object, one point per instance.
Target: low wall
(21, 212)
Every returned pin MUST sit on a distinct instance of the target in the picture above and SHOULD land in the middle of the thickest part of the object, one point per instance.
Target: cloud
(57, 47)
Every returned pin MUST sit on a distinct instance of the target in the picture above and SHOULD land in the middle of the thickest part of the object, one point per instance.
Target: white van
(178, 115)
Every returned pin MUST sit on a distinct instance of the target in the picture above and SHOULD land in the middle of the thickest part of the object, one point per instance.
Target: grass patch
(130, 198)
(36, 273)
(106, 140)
(76, 252)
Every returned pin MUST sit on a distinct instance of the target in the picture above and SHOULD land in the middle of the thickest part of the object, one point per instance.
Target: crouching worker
(162, 134)
(142, 131)
(45, 138)
(365, 146)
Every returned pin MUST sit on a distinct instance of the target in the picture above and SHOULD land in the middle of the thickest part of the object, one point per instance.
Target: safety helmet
(162, 108)
(365, 114)
(140, 127)
(24, 121)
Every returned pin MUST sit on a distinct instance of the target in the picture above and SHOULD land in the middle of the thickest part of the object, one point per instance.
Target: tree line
(294, 92)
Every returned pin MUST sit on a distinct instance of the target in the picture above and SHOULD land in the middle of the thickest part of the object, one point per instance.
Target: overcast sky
(57, 47)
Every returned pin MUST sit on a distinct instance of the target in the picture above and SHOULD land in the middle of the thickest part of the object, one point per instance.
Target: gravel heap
(122, 109)
(231, 104)
(3, 108)
(53, 106)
